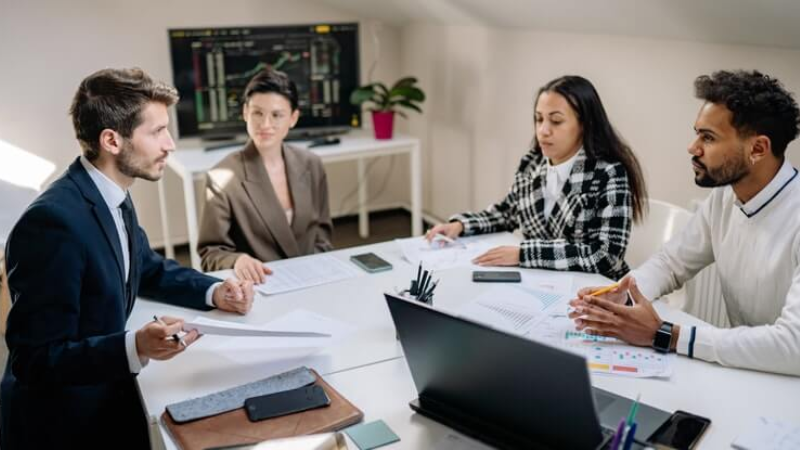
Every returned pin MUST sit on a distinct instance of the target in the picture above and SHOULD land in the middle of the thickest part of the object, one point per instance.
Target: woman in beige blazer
(267, 201)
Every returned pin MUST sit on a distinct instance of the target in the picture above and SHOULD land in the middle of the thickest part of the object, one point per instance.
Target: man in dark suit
(77, 260)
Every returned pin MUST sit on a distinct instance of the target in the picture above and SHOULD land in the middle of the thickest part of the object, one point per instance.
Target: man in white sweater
(749, 226)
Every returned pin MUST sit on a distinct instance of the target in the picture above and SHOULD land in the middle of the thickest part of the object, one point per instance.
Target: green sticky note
(371, 435)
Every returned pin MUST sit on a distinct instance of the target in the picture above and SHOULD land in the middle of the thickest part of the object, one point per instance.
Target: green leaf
(405, 82)
(407, 93)
(410, 105)
(361, 95)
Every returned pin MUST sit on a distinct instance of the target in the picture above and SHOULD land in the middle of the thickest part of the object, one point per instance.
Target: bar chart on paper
(603, 354)
(626, 360)
(515, 309)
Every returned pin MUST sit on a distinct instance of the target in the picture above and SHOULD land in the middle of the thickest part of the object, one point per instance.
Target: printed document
(205, 325)
(303, 272)
(440, 254)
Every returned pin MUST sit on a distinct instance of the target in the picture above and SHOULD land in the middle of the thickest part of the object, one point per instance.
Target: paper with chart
(603, 354)
(300, 273)
(542, 316)
(511, 308)
(204, 325)
(768, 434)
(440, 255)
(247, 350)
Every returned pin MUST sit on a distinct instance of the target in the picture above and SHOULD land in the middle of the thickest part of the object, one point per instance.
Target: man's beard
(128, 164)
(731, 171)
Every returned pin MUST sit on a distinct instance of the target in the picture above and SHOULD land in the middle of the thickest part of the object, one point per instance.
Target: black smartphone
(489, 276)
(286, 402)
(371, 262)
(681, 431)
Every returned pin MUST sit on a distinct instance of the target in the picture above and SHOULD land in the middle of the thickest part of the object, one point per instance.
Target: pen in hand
(175, 336)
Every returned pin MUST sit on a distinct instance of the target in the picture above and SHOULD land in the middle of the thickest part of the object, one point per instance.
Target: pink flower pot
(383, 122)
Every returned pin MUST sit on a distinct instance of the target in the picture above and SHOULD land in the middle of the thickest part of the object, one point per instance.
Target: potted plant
(387, 101)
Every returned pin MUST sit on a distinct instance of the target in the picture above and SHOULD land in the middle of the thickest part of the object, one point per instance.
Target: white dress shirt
(756, 248)
(114, 196)
(557, 176)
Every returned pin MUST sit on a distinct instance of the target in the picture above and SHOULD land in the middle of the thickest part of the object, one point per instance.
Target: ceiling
(774, 23)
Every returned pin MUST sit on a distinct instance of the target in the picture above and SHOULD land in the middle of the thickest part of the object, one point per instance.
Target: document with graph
(540, 315)
(511, 308)
(603, 354)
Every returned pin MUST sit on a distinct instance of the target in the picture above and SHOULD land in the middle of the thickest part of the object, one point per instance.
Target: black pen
(175, 336)
(428, 282)
(422, 284)
(415, 283)
(429, 293)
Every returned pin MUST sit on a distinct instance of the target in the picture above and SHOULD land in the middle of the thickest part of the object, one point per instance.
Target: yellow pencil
(604, 290)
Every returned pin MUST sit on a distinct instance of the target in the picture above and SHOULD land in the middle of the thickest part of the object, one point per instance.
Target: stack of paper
(293, 336)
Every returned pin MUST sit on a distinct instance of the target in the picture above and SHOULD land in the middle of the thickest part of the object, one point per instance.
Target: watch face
(663, 337)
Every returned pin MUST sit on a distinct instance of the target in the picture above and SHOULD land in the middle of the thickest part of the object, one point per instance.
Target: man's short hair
(114, 99)
(760, 104)
(272, 81)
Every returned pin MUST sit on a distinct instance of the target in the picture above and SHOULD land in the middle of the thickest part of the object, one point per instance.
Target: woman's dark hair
(600, 140)
(274, 81)
(760, 105)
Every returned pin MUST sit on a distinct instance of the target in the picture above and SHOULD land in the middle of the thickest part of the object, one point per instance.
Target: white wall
(48, 46)
(482, 81)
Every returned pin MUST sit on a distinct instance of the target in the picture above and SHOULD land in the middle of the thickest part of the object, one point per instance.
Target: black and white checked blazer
(588, 228)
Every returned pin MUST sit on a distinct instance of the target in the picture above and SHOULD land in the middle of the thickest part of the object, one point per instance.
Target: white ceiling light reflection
(23, 168)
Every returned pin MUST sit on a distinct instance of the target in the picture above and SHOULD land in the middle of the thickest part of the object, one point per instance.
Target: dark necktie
(127, 217)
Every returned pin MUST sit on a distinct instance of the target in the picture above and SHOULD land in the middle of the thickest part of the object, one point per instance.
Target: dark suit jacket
(67, 382)
(243, 213)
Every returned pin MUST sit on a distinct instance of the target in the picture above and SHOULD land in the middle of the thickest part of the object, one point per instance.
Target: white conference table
(191, 162)
(368, 367)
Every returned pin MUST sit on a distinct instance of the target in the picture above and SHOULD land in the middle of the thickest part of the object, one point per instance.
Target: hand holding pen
(160, 340)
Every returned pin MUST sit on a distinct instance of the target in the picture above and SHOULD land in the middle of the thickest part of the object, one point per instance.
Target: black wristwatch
(663, 337)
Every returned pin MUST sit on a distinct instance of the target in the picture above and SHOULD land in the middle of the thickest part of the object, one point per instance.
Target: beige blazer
(243, 213)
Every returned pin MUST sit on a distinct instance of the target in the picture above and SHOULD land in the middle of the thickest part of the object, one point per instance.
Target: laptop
(503, 389)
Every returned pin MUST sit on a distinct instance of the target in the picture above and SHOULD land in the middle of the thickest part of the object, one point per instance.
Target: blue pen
(618, 435)
(629, 437)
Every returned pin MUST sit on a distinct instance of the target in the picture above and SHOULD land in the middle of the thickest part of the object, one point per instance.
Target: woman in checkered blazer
(575, 193)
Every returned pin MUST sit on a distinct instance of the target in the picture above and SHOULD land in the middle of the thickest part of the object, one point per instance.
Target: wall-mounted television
(211, 67)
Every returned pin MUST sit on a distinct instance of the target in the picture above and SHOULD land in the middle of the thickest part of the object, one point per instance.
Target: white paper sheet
(541, 316)
(512, 308)
(204, 325)
(247, 350)
(768, 434)
(550, 281)
(300, 273)
(440, 255)
(603, 355)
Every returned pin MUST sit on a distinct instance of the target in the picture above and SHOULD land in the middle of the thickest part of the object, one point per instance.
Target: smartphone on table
(371, 262)
(286, 402)
(496, 276)
(682, 431)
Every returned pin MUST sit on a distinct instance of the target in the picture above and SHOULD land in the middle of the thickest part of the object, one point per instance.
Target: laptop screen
(537, 393)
